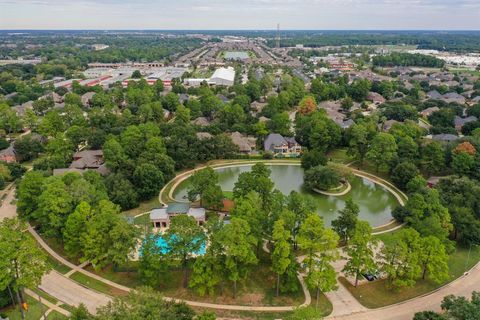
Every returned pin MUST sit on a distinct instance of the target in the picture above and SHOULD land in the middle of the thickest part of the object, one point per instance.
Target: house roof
(445, 137)
(201, 121)
(203, 135)
(245, 144)
(8, 152)
(434, 94)
(159, 214)
(429, 111)
(178, 207)
(462, 121)
(197, 213)
(274, 140)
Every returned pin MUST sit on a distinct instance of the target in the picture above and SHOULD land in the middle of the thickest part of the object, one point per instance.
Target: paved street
(405, 311)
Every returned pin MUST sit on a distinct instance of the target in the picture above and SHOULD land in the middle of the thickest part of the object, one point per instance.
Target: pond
(375, 202)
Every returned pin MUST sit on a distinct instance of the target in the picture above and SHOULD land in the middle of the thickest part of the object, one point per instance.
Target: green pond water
(376, 203)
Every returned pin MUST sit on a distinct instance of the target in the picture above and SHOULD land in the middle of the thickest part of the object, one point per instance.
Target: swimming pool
(163, 245)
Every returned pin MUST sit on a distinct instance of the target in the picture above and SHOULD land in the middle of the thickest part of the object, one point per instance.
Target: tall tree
(320, 244)
(75, 227)
(282, 250)
(360, 251)
(153, 263)
(346, 222)
(22, 263)
(433, 259)
(382, 150)
(238, 244)
(184, 238)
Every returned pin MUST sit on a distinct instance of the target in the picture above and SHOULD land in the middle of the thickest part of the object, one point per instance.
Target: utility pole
(278, 36)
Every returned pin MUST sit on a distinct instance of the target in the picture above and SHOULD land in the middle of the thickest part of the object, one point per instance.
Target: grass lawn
(143, 207)
(55, 315)
(57, 265)
(376, 294)
(45, 295)
(58, 248)
(126, 278)
(340, 156)
(67, 307)
(257, 289)
(96, 285)
(35, 310)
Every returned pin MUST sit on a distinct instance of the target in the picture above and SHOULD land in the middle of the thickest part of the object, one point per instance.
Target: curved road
(463, 286)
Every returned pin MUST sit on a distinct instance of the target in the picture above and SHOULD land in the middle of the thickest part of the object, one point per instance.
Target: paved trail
(8, 210)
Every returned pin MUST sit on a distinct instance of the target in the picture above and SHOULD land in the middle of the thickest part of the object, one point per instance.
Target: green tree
(207, 274)
(148, 179)
(201, 181)
(358, 141)
(403, 173)
(22, 262)
(153, 264)
(144, 303)
(322, 178)
(281, 256)
(347, 220)
(400, 259)
(121, 191)
(312, 159)
(238, 244)
(318, 242)
(257, 180)
(184, 238)
(463, 163)
(433, 259)
(382, 151)
(75, 227)
(28, 191)
(361, 252)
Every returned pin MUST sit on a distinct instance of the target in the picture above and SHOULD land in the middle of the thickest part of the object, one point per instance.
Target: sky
(241, 14)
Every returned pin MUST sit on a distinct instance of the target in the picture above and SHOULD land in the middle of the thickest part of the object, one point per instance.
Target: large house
(282, 146)
(160, 218)
(83, 161)
(8, 155)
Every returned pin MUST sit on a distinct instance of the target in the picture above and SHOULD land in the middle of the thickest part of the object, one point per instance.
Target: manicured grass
(128, 278)
(67, 307)
(257, 289)
(57, 265)
(96, 285)
(324, 305)
(57, 246)
(339, 156)
(55, 315)
(144, 206)
(45, 295)
(35, 310)
(376, 294)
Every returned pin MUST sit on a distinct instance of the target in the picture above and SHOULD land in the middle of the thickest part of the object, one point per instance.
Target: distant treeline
(443, 41)
(407, 59)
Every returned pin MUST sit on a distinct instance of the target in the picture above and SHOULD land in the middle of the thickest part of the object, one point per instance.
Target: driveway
(8, 210)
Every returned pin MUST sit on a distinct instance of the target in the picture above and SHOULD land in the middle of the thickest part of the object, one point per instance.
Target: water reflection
(375, 202)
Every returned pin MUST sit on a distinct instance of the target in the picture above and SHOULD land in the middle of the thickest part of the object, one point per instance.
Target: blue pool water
(163, 245)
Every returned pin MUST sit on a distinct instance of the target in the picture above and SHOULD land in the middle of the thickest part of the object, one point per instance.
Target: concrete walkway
(44, 301)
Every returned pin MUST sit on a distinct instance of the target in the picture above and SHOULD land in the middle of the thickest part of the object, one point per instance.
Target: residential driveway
(72, 293)
(8, 210)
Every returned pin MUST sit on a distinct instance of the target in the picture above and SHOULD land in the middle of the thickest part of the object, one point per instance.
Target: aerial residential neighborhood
(294, 160)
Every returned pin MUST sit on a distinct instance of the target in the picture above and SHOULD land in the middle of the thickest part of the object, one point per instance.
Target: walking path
(345, 306)
(44, 301)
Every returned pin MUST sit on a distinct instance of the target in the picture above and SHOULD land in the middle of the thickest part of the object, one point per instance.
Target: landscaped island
(375, 202)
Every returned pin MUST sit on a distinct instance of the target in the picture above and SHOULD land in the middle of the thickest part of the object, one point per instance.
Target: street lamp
(468, 256)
